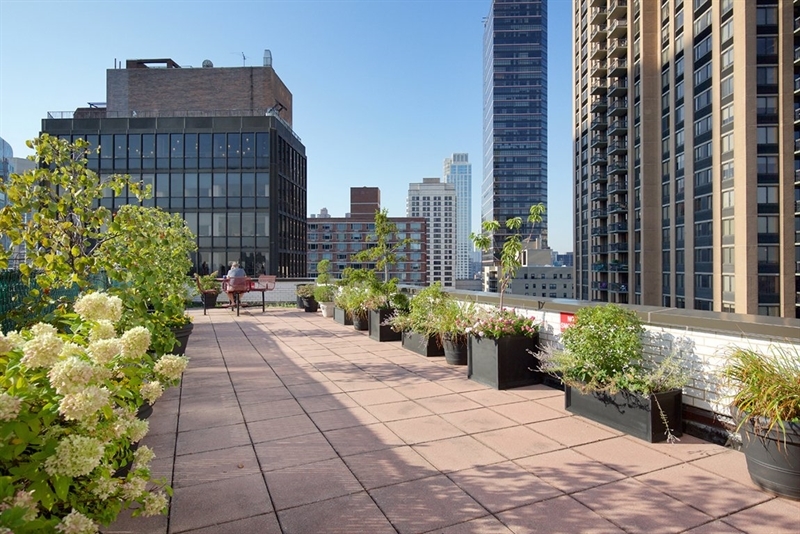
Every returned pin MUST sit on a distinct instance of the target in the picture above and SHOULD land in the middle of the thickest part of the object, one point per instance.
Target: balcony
(797, 55)
(797, 177)
(796, 85)
(618, 288)
(600, 286)
(796, 146)
(599, 33)
(598, 69)
(618, 106)
(617, 47)
(599, 140)
(617, 207)
(797, 25)
(599, 213)
(599, 158)
(796, 115)
(597, 3)
(619, 248)
(617, 148)
(600, 230)
(599, 194)
(599, 267)
(618, 186)
(599, 123)
(618, 67)
(618, 167)
(618, 28)
(598, 50)
(618, 227)
(599, 87)
(599, 104)
(598, 178)
(618, 8)
(618, 266)
(618, 127)
(618, 88)
(599, 249)
(598, 16)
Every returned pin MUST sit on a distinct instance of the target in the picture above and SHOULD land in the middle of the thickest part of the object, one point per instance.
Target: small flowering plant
(68, 400)
(498, 323)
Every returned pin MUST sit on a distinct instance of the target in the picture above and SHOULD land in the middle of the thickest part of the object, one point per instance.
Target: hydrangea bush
(69, 394)
(494, 323)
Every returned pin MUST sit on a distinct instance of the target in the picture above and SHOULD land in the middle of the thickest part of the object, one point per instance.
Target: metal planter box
(342, 317)
(503, 363)
(424, 346)
(377, 330)
(634, 414)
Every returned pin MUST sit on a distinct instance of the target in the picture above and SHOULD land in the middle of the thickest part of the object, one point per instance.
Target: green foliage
(209, 282)
(767, 385)
(603, 352)
(305, 291)
(352, 298)
(323, 276)
(383, 253)
(511, 252)
(496, 323)
(150, 259)
(53, 210)
(324, 293)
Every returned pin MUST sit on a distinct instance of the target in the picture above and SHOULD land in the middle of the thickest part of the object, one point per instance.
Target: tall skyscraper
(435, 201)
(458, 171)
(686, 180)
(217, 146)
(514, 112)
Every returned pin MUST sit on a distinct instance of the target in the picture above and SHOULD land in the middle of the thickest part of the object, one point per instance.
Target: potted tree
(451, 323)
(209, 288)
(382, 301)
(766, 407)
(324, 291)
(306, 294)
(607, 379)
(350, 301)
(416, 325)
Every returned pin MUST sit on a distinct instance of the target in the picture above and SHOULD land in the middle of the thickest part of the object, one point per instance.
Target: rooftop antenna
(244, 58)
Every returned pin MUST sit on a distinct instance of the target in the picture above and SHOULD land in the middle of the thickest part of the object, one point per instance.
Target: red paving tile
(448, 452)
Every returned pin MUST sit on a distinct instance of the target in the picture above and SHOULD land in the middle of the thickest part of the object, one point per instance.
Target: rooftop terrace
(289, 422)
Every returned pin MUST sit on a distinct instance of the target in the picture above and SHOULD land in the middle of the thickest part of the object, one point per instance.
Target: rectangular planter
(628, 412)
(379, 332)
(424, 346)
(342, 317)
(503, 363)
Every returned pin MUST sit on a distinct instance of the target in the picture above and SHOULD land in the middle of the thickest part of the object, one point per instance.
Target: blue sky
(383, 90)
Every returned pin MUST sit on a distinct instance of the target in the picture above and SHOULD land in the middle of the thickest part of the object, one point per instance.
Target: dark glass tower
(514, 112)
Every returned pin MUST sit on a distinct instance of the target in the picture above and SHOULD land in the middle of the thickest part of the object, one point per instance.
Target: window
(726, 31)
(767, 224)
(678, 67)
(727, 57)
(766, 46)
(726, 87)
(767, 164)
(728, 283)
(726, 171)
(702, 100)
(702, 74)
(678, 91)
(767, 105)
(702, 203)
(767, 284)
(727, 255)
(767, 15)
(703, 281)
(703, 151)
(704, 47)
(767, 194)
(726, 114)
(767, 135)
(679, 139)
(702, 177)
(703, 125)
(767, 75)
(726, 143)
(701, 23)
(727, 227)
(727, 198)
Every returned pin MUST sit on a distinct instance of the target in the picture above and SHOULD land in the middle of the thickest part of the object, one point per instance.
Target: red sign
(567, 319)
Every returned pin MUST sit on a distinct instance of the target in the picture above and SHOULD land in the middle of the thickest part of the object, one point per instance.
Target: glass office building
(515, 112)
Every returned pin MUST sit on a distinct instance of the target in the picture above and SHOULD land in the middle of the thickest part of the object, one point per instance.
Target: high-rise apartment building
(458, 171)
(514, 113)
(339, 239)
(686, 173)
(217, 146)
(435, 201)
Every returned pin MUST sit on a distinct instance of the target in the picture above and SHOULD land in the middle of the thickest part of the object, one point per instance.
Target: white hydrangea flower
(9, 407)
(71, 349)
(151, 391)
(137, 429)
(105, 487)
(104, 329)
(41, 329)
(76, 523)
(6, 344)
(42, 351)
(16, 339)
(83, 404)
(154, 504)
(99, 306)
(24, 499)
(133, 488)
(143, 456)
(75, 456)
(135, 342)
(170, 366)
(103, 351)
(71, 375)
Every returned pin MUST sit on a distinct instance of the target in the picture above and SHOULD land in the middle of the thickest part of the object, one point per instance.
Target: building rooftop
(290, 422)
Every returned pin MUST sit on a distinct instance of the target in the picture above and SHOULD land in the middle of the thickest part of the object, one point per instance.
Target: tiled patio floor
(289, 422)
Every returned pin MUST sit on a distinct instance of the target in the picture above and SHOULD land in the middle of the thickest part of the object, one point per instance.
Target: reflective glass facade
(239, 182)
(515, 111)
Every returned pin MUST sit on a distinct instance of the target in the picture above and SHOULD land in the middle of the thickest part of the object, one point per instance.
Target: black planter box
(361, 323)
(631, 413)
(503, 363)
(310, 305)
(182, 336)
(342, 317)
(424, 346)
(377, 330)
